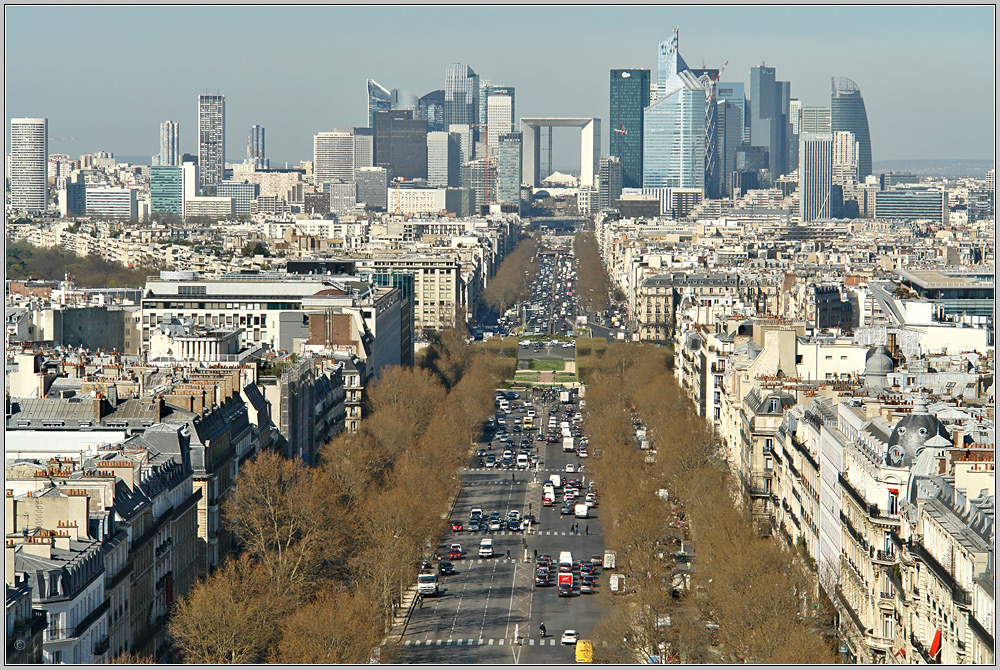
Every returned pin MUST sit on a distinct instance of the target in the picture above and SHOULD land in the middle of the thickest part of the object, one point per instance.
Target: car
(475, 526)
(566, 509)
(565, 591)
(597, 560)
(568, 637)
(456, 526)
(513, 525)
(547, 501)
(482, 452)
(586, 568)
(495, 524)
(446, 568)
(476, 511)
(570, 467)
(586, 587)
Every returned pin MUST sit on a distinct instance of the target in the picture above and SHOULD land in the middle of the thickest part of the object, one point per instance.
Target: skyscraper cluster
(692, 129)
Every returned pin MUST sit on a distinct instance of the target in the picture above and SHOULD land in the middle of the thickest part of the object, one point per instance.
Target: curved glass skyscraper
(847, 113)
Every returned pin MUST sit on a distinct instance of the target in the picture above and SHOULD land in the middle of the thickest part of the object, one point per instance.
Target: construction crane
(621, 131)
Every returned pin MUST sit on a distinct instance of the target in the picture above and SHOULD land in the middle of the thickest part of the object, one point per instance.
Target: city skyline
(883, 63)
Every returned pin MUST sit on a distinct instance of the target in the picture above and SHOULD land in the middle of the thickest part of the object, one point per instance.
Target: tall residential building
(769, 125)
(815, 175)
(629, 97)
(674, 128)
(379, 98)
(609, 187)
(112, 203)
(211, 141)
(166, 189)
(170, 143)
(256, 154)
(333, 156)
(731, 108)
(847, 111)
(401, 144)
(29, 149)
(846, 151)
(509, 167)
(814, 120)
(443, 159)
(461, 97)
(499, 114)
(190, 180)
(431, 109)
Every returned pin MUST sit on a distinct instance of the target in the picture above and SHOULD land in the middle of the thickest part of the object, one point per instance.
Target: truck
(567, 443)
(556, 481)
(564, 396)
(581, 511)
(427, 584)
(565, 584)
(617, 583)
(609, 559)
(566, 559)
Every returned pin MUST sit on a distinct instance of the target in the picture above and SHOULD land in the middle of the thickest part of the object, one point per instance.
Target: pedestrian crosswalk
(470, 642)
(502, 533)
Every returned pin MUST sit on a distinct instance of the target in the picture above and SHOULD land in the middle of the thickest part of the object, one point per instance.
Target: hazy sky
(108, 76)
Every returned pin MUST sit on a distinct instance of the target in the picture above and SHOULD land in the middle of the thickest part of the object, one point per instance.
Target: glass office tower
(847, 113)
(674, 133)
(629, 98)
(166, 189)
(379, 98)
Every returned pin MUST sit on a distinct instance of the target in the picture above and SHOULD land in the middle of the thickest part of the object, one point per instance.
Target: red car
(457, 526)
(546, 502)
(455, 552)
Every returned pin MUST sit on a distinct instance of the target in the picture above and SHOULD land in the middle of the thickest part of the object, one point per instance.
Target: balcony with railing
(101, 646)
(884, 557)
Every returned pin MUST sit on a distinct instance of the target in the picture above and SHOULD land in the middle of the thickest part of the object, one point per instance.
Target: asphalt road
(475, 618)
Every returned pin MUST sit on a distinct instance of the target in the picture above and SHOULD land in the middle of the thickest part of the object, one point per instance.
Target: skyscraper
(609, 182)
(170, 143)
(669, 63)
(443, 159)
(401, 144)
(333, 156)
(629, 97)
(464, 133)
(674, 127)
(29, 159)
(461, 97)
(211, 141)
(379, 98)
(431, 107)
(815, 175)
(731, 105)
(509, 166)
(255, 147)
(814, 120)
(364, 148)
(499, 113)
(769, 126)
(847, 113)
(846, 150)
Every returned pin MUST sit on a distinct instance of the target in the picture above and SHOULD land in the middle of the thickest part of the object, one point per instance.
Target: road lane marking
(500, 642)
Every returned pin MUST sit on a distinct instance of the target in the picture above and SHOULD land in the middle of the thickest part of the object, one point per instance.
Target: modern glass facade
(432, 110)
(170, 143)
(815, 120)
(401, 144)
(731, 106)
(847, 113)
(255, 147)
(674, 138)
(609, 182)
(242, 193)
(499, 113)
(379, 98)
(629, 98)
(461, 96)
(443, 159)
(769, 125)
(166, 189)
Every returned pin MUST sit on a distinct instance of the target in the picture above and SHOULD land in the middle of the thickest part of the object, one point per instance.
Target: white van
(486, 548)
(522, 461)
(556, 481)
(565, 560)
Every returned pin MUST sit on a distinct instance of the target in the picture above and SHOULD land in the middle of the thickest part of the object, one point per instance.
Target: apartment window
(768, 444)
(768, 464)
(887, 625)
(893, 501)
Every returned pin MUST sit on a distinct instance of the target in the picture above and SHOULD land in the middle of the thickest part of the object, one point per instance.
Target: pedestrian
(587, 529)
(508, 553)
(536, 554)
(512, 478)
(420, 600)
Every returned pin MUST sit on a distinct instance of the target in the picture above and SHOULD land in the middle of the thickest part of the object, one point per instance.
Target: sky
(106, 77)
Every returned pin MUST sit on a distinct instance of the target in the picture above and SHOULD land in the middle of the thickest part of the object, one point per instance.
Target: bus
(584, 651)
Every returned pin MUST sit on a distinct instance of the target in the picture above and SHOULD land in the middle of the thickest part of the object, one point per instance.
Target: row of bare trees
(328, 551)
(592, 278)
(512, 281)
(731, 596)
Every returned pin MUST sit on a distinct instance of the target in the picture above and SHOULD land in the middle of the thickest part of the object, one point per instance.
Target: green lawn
(547, 365)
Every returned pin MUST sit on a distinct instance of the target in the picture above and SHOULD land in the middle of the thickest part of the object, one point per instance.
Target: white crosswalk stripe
(491, 642)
